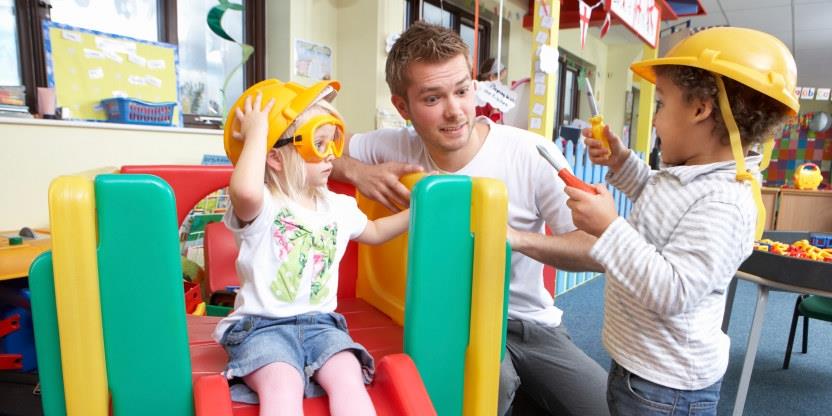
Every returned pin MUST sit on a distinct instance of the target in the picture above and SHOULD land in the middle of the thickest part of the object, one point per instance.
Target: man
(430, 80)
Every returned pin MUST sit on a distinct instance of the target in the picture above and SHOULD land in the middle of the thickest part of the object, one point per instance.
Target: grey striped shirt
(668, 266)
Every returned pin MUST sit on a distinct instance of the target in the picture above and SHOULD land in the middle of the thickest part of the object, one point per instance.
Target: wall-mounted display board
(86, 66)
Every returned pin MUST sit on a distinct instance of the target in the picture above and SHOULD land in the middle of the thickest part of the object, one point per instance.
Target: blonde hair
(422, 42)
(291, 181)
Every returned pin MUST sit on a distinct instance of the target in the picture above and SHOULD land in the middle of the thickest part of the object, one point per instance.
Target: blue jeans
(629, 394)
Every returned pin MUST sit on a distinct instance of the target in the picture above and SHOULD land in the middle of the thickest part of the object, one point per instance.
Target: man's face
(440, 104)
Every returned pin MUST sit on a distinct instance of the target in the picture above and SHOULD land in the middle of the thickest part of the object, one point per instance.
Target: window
(461, 21)
(566, 102)
(204, 58)
(9, 52)
(120, 17)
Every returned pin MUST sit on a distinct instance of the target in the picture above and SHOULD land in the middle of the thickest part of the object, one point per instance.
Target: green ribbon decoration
(214, 20)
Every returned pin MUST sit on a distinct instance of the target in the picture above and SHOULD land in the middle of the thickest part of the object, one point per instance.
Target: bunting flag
(585, 13)
(606, 26)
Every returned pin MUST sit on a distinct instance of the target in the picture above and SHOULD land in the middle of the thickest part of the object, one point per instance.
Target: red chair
(220, 251)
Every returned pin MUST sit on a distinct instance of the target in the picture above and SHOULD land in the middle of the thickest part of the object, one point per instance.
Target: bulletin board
(85, 66)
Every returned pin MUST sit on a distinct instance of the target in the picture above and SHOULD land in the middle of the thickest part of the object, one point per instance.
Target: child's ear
(274, 160)
(702, 109)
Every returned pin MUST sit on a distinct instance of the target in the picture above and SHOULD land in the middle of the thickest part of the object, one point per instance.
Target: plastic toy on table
(18, 249)
(807, 176)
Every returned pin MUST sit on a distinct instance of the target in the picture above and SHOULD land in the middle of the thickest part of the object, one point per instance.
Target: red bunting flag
(585, 12)
(606, 26)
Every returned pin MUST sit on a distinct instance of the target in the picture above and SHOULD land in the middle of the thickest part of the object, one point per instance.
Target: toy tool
(597, 120)
(564, 173)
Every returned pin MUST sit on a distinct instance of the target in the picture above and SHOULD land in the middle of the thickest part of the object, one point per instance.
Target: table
(763, 287)
(15, 260)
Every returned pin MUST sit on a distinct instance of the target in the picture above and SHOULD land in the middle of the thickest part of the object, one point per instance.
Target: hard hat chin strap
(744, 174)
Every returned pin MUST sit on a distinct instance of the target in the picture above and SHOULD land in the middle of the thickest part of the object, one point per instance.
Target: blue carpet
(804, 389)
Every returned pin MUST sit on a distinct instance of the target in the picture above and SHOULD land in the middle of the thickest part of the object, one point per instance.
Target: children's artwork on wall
(799, 144)
(86, 66)
(312, 60)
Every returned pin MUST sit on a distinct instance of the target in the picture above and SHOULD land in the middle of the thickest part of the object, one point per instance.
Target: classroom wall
(619, 81)
(36, 152)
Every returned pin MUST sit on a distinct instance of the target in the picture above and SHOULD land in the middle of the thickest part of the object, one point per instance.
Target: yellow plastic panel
(382, 269)
(72, 218)
(489, 216)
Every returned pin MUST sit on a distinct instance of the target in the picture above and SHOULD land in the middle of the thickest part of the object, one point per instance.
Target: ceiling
(805, 26)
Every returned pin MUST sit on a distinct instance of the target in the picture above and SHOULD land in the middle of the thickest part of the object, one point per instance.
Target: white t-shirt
(535, 195)
(289, 256)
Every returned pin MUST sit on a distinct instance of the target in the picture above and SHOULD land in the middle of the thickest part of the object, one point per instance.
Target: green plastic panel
(142, 297)
(438, 296)
(47, 341)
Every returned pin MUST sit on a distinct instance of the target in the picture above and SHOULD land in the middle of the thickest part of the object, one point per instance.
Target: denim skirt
(304, 341)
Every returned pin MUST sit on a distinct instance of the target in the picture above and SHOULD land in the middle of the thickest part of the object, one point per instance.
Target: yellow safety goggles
(305, 144)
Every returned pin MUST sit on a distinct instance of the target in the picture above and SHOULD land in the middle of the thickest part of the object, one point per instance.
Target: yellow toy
(807, 176)
(597, 120)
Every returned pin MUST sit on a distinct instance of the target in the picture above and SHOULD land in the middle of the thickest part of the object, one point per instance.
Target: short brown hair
(757, 115)
(422, 42)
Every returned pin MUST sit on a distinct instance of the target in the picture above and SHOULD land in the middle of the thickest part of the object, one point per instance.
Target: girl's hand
(591, 213)
(598, 154)
(254, 120)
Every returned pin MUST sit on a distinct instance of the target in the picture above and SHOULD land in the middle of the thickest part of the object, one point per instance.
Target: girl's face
(317, 174)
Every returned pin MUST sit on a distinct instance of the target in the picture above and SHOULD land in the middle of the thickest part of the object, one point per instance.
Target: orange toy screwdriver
(563, 172)
(597, 120)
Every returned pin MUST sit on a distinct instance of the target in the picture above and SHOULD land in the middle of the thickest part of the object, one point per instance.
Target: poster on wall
(642, 17)
(86, 66)
(313, 60)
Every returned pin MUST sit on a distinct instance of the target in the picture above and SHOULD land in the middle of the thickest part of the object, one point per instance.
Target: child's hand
(255, 120)
(598, 154)
(591, 213)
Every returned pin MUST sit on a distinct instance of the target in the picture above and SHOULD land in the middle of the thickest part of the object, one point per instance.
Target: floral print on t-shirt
(299, 246)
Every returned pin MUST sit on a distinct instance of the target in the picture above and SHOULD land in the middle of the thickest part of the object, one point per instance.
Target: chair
(220, 252)
(808, 306)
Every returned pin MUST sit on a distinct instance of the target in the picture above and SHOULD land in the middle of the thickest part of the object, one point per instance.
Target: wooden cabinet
(803, 210)
(770, 203)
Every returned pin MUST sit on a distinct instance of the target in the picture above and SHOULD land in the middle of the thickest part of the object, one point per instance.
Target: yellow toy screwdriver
(597, 120)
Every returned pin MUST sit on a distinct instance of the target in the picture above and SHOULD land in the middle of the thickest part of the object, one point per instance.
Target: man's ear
(401, 106)
(702, 109)
(274, 160)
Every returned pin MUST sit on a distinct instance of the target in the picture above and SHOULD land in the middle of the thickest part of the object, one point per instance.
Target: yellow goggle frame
(304, 139)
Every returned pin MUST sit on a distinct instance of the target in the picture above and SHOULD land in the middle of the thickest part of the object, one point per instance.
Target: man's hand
(381, 183)
(591, 213)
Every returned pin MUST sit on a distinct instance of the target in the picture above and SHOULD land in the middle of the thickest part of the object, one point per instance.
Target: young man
(430, 80)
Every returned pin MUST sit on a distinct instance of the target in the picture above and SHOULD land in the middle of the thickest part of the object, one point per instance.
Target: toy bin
(133, 111)
(789, 270)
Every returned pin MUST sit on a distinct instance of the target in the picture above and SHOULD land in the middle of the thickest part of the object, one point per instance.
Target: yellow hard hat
(290, 100)
(755, 59)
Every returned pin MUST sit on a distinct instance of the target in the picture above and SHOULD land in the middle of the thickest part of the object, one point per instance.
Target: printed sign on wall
(642, 17)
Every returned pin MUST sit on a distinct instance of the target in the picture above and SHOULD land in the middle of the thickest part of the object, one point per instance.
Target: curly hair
(422, 42)
(757, 115)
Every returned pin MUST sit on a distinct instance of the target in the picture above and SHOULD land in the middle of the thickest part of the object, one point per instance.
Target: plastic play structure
(112, 335)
